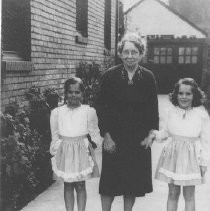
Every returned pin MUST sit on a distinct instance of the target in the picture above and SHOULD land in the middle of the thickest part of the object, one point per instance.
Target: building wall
(54, 52)
(206, 71)
(151, 18)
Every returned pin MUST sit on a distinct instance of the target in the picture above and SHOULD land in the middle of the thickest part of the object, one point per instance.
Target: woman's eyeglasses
(132, 53)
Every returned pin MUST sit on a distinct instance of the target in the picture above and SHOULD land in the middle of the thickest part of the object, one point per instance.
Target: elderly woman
(127, 107)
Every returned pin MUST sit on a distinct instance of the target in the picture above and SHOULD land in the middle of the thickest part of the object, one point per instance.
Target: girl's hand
(203, 170)
(54, 147)
(109, 144)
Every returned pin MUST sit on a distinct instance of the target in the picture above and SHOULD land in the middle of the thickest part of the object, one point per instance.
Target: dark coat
(127, 112)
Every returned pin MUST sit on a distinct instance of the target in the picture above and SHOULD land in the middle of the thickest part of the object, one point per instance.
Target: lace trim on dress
(176, 176)
(72, 176)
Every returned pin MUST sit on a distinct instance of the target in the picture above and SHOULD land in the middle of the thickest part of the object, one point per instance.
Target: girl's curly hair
(198, 95)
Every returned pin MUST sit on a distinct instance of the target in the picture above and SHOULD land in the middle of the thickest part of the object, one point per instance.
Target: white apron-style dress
(73, 156)
(188, 135)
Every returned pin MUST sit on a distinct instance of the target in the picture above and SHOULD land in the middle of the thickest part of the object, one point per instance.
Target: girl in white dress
(183, 161)
(73, 158)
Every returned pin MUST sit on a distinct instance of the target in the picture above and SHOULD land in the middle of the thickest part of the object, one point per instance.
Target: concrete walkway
(52, 198)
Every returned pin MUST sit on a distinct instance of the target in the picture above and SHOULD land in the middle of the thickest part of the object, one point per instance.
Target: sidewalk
(52, 198)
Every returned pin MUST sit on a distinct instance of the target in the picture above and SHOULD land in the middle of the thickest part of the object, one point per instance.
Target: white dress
(188, 136)
(73, 158)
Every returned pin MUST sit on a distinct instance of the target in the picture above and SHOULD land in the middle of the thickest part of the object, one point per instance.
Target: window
(162, 55)
(82, 17)
(188, 55)
(107, 25)
(16, 35)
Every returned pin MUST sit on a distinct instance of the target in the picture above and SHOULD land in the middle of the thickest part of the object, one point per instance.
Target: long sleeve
(162, 134)
(102, 106)
(93, 129)
(152, 113)
(55, 143)
(205, 139)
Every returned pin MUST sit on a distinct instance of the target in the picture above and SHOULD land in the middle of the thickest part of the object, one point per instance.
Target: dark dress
(127, 112)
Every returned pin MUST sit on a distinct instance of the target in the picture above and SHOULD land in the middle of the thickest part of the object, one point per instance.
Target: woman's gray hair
(134, 38)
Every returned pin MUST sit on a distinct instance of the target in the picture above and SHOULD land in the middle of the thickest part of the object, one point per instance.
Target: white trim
(177, 176)
(72, 176)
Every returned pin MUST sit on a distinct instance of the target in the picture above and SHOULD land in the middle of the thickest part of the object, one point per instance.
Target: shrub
(90, 75)
(22, 152)
(25, 158)
(51, 97)
(41, 104)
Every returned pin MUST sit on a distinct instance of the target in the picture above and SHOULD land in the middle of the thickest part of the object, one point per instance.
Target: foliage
(36, 98)
(52, 97)
(25, 158)
(25, 164)
(110, 62)
(41, 104)
(90, 75)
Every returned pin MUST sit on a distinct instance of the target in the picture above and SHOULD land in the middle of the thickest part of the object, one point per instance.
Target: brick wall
(54, 52)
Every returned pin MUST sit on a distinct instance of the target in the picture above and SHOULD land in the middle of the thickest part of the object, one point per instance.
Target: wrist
(151, 132)
(107, 135)
(152, 135)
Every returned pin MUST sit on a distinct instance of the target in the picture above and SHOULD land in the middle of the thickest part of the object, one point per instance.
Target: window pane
(156, 59)
(181, 51)
(163, 51)
(82, 17)
(16, 25)
(169, 60)
(156, 51)
(194, 59)
(169, 51)
(162, 59)
(188, 51)
(181, 59)
(187, 60)
(195, 51)
(107, 24)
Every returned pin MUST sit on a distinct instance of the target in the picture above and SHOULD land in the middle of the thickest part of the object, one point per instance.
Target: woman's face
(130, 55)
(185, 96)
(74, 95)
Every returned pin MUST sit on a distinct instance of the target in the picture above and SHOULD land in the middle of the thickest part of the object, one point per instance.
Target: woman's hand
(109, 144)
(203, 170)
(148, 141)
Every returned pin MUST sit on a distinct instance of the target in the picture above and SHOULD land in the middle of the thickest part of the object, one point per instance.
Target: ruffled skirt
(74, 160)
(179, 162)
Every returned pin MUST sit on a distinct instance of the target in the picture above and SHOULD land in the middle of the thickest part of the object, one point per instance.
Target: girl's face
(185, 96)
(74, 95)
(130, 54)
